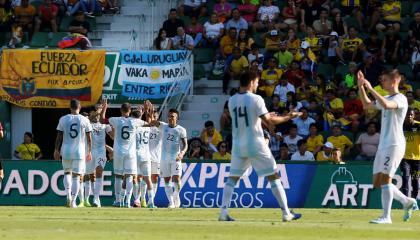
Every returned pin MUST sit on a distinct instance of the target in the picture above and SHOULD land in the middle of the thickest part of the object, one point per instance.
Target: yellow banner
(51, 78)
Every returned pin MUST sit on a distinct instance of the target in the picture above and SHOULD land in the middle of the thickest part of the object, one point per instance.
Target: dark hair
(409, 92)
(301, 142)
(125, 107)
(294, 100)
(284, 145)
(254, 46)
(30, 135)
(374, 124)
(275, 95)
(293, 126)
(220, 143)
(209, 124)
(330, 91)
(313, 125)
(136, 114)
(158, 39)
(353, 28)
(173, 10)
(245, 40)
(303, 108)
(351, 90)
(173, 110)
(232, 28)
(74, 104)
(236, 9)
(247, 77)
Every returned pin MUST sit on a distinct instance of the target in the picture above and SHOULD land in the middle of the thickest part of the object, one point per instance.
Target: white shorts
(264, 164)
(97, 160)
(144, 168)
(387, 160)
(155, 168)
(75, 166)
(125, 164)
(170, 168)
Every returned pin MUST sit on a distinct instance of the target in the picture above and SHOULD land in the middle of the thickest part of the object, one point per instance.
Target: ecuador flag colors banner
(50, 78)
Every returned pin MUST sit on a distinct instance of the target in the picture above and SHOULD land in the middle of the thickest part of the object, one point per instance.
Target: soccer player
(391, 143)
(155, 147)
(173, 135)
(125, 157)
(249, 147)
(74, 132)
(410, 165)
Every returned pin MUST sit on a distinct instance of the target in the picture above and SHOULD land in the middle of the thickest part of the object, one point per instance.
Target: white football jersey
(392, 122)
(142, 146)
(247, 133)
(155, 144)
(99, 132)
(171, 141)
(74, 128)
(125, 134)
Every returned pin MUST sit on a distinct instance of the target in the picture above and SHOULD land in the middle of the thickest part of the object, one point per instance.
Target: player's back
(247, 134)
(142, 145)
(155, 144)
(74, 128)
(99, 132)
(125, 134)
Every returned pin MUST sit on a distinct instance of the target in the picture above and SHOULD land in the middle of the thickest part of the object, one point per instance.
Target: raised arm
(387, 104)
(58, 141)
(103, 111)
(367, 103)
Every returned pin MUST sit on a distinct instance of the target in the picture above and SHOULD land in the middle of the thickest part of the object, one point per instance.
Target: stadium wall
(307, 185)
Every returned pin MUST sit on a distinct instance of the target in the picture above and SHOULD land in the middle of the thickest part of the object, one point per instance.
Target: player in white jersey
(74, 130)
(391, 147)
(155, 147)
(174, 147)
(125, 157)
(249, 146)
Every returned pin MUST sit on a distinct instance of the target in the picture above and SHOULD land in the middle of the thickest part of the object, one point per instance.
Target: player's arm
(89, 143)
(110, 151)
(103, 111)
(367, 103)
(183, 150)
(364, 85)
(273, 119)
(58, 142)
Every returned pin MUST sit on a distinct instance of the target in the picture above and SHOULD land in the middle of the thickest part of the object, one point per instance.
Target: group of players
(144, 149)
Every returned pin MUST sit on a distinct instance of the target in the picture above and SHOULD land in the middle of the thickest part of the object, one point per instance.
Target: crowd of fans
(307, 53)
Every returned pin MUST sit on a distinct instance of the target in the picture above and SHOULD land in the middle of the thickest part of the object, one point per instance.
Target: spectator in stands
(192, 7)
(339, 140)
(290, 15)
(182, 41)
(304, 92)
(329, 153)
(248, 10)
(302, 154)
(109, 6)
(351, 46)
(315, 140)
(223, 10)
(292, 104)
(284, 57)
(293, 42)
(391, 14)
(391, 45)
(353, 108)
(349, 7)
(315, 43)
(81, 26)
(350, 78)
(339, 25)
(292, 139)
(284, 152)
(244, 42)
(315, 112)
(380, 88)
(415, 62)
(195, 30)
(373, 44)
(171, 25)
(367, 143)
(371, 68)
(295, 75)
(213, 31)
(275, 141)
(414, 27)
(47, 16)
(409, 46)
(28, 150)
(309, 12)
(197, 150)
(25, 16)
(5, 16)
(332, 103)
(237, 21)
(412, 103)
(210, 136)
(404, 87)
(276, 106)
(283, 88)
(228, 42)
(333, 44)
(270, 77)
(74, 6)
(162, 42)
(225, 122)
(323, 26)
(236, 64)
(268, 15)
(255, 55)
(203, 16)
(222, 152)
(272, 43)
(303, 123)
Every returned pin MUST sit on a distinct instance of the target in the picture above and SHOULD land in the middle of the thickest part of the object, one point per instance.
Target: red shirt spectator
(48, 13)
(295, 75)
(353, 105)
(248, 11)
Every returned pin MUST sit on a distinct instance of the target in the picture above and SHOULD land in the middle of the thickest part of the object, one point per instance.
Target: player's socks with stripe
(75, 187)
(129, 190)
(387, 193)
(169, 194)
(280, 195)
(82, 195)
(88, 186)
(67, 186)
(96, 191)
(154, 187)
(398, 195)
(177, 189)
(151, 196)
(227, 197)
(117, 190)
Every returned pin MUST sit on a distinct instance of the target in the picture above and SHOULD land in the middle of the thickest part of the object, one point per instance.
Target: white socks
(142, 189)
(387, 196)
(136, 192)
(67, 184)
(154, 187)
(88, 186)
(169, 193)
(117, 189)
(227, 193)
(129, 189)
(98, 187)
(399, 196)
(280, 195)
(151, 196)
(82, 191)
(75, 187)
(177, 188)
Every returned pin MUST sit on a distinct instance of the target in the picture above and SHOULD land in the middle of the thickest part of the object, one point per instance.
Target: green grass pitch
(49, 223)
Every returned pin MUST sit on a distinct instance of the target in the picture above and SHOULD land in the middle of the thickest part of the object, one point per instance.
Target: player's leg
(150, 192)
(98, 186)
(81, 194)
(155, 176)
(166, 174)
(136, 191)
(176, 179)
(130, 170)
(89, 184)
(78, 169)
(118, 178)
(67, 180)
(405, 175)
(146, 185)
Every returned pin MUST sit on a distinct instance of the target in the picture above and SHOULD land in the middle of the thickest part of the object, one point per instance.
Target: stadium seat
(199, 71)
(92, 23)
(64, 25)
(327, 70)
(39, 39)
(342, 70)
(53, 43)
(407, 70)
(203, 55)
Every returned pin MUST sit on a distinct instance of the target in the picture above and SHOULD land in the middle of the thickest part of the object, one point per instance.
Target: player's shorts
(155, 167)
(75, 166)
(264, 164)
(387, 160)
(170, 168)
(125, 164)
(97, 160)
(144, 168)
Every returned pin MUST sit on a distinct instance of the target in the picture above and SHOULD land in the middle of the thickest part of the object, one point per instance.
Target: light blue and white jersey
(125, 134)
(74, 128)
(171, 141)
(142, 146)
(155, 144)
(99, 132)
(247, 133)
